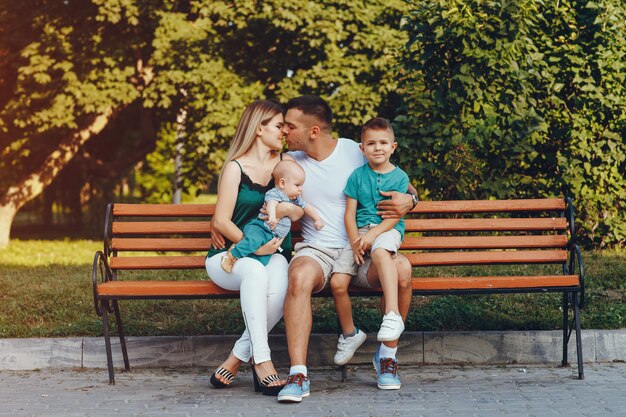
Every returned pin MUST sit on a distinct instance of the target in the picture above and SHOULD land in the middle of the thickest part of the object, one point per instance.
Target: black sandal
(226, 374)
(264, 385)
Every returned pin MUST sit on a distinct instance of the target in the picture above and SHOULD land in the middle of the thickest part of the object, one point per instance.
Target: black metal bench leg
(344, 373)
(565, 328)
(120, 332)
(579, 345)
(107, 342)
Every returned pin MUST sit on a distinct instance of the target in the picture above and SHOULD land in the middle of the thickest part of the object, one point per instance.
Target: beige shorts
(324, 256)
(389, 240)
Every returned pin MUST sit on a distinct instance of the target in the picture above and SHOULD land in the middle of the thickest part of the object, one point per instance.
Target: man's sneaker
(386, 372)
(298, 387)
(391, 328)
(347, 346)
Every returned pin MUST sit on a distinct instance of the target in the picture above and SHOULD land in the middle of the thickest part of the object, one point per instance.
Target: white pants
(262, 292)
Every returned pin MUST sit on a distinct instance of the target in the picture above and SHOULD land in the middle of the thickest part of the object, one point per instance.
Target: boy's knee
(338, 287)
(380, 255)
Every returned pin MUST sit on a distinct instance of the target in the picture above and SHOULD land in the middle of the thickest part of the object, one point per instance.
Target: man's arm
(398, 205)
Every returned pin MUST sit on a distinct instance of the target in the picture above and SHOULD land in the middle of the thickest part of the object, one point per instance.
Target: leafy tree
(519, 99)
(104, 79)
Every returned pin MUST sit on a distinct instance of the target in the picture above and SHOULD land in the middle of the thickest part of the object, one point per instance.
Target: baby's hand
(272, 222)
(319, 224)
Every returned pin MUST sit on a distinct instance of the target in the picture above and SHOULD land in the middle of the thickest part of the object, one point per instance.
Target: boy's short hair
(312, 106)
(377, 123)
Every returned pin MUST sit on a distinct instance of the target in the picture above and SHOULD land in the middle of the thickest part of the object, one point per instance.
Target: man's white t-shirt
(323, 189)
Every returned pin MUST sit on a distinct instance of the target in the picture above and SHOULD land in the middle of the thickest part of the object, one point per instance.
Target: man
(328, 163)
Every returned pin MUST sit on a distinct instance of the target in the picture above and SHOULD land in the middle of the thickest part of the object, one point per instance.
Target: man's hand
(396, 207)
(217, 240)
(270, 247)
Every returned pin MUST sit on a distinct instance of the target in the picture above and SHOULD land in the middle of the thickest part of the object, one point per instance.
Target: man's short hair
(313, 106)
(377, 123)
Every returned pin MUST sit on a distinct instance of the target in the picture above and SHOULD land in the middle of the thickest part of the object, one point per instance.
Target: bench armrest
(101, 272)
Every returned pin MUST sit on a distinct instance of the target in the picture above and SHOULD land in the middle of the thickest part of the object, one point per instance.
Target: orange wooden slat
(160, 289)
(487, 257)
(160, 244)
(484, 242)
(120, 228)
(494, 282)
(163, 210)
(156, 262)
(499, 225)
(489, 206)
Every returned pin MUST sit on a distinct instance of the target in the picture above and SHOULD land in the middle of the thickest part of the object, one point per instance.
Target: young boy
(372, 241)
(288, 180)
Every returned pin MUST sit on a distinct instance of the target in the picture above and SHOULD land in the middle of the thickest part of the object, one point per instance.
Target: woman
(245, 177)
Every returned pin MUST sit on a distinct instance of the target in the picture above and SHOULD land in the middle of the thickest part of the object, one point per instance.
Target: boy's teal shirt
(364, 185)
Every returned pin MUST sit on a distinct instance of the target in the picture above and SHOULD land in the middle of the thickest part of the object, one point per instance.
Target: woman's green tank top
(250, 199)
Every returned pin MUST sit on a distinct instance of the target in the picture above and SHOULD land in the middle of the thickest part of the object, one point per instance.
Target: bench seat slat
(161, 244)
(149, 289)
(485, 242)
(157, 262)
(487, 257)
(163, 210)
(154, 228)
(489, 206)
(496, 225)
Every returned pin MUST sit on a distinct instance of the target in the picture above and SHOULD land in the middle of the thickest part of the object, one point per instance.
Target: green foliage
(65, 62)
(519, 99)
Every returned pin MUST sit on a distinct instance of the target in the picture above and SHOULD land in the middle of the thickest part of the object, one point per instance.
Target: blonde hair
(257, 113)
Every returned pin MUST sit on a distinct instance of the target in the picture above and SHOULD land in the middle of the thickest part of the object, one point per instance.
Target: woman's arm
(226, 199)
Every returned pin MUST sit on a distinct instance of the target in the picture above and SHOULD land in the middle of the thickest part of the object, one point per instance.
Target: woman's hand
(217, 240)
(270, 247)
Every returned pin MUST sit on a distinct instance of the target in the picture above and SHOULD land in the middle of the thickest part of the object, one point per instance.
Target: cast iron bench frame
(457, 233)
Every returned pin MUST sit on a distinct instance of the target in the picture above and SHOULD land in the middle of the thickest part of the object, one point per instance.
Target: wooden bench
(439, 233)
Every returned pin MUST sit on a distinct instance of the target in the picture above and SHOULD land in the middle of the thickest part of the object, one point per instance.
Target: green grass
(46, 290)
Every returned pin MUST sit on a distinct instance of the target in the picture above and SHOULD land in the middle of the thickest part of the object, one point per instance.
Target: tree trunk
(40, 177)
(7, 214)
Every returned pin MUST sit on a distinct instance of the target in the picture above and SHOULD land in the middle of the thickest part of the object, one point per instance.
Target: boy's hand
(272, 222)
(367, 240)
(319, 224)
(358, 253)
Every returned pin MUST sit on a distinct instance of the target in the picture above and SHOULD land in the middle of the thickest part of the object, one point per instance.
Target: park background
(137, 100)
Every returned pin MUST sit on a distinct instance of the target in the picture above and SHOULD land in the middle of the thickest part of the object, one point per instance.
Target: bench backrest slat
(524, 224)
(157, 262)
(163, 210)
(489, 206)
(160, 244)
(156, 228)
(485, 242)
(487, 257)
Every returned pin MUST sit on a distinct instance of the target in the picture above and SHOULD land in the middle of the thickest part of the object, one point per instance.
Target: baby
(288, 180)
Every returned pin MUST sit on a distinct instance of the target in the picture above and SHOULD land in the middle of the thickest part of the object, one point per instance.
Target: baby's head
(289, 177)
(377, 141)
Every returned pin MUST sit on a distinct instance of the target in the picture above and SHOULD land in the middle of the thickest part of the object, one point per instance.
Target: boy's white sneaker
(391, 328)
(347, 346)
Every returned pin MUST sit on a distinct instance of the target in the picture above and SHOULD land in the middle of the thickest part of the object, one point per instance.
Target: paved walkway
(510, 391)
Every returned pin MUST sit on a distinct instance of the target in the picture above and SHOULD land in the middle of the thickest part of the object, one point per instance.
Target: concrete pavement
(476, 390)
